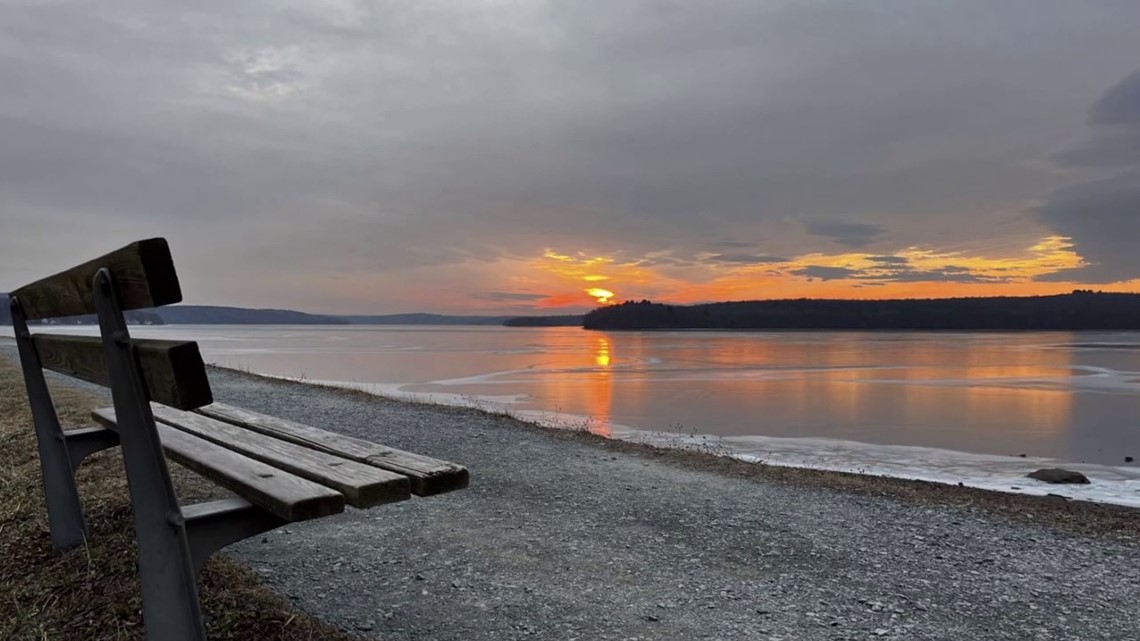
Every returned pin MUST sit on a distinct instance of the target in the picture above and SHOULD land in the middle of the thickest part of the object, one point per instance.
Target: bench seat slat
(286, 495)
(362, 485)
(428, 475)
(173, 371)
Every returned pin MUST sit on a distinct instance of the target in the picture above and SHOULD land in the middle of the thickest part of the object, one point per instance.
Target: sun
(604, 296)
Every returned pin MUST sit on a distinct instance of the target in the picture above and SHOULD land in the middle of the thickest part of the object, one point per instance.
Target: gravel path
(564, 539)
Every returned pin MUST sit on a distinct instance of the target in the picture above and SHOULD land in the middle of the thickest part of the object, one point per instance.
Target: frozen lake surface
(947, 407)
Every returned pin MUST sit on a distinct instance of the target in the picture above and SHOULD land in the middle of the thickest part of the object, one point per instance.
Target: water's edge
(1118, 485)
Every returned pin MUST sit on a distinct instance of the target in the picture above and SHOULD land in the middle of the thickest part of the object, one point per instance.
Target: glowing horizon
(910, 272)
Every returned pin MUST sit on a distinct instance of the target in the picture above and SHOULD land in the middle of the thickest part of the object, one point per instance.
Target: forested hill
(1076, 311)
(193, 314)
(219, 315)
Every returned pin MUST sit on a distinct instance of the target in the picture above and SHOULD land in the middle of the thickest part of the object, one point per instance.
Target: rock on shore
(1058, 475)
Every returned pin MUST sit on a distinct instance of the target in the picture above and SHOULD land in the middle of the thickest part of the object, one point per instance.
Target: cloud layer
(1102, 215)
(400, 156)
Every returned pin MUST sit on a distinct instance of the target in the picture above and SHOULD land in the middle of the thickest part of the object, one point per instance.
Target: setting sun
(604, 296)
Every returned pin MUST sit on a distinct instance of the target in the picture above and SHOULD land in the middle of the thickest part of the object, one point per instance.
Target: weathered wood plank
(144, 277)
(173, 370)
(286, 495)
(427, 475)
(363, 486)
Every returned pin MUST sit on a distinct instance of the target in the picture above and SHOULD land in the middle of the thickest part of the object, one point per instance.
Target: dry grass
(92, 592)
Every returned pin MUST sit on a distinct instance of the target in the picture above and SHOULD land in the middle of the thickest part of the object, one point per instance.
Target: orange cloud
(912, 272)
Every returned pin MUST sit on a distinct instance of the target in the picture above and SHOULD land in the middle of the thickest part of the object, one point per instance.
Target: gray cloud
(1116, 149)
(1115, 118)
(511, 296)
(1102, 216)
(823, 272)
(731, 244)
(848, 234)
(746, 259)
(665, 260)
(1103, 219)
(1120, 105)
(889, 260)
(894, 272)
(286, 149)
(948, 274)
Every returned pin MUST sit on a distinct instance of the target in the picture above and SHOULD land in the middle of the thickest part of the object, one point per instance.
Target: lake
(948, 403)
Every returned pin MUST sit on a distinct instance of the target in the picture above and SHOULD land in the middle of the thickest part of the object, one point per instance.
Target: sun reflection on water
(602, 351)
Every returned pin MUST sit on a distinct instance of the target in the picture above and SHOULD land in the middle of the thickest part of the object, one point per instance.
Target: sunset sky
(495, 156)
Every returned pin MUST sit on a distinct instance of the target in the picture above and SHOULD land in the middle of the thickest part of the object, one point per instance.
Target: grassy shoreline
(92, 592)
(1066, 515)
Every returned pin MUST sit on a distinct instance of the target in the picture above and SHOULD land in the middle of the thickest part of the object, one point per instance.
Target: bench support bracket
(65, 512)
(84, 442)
(214, 525)
(166, 570)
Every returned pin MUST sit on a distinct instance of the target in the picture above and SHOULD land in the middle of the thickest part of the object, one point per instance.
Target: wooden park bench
(279, 470)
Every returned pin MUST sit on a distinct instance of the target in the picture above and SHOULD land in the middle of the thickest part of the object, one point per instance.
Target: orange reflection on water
(601, 388)
(584, 386)
(968, 390)
(1044, 404)
(995, 392)
(602, 351)
(859, 384)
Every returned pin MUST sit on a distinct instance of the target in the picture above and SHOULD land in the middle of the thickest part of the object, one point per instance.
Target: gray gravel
(568, 540)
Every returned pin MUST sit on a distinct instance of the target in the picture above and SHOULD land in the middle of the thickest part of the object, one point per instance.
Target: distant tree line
(1080, 310)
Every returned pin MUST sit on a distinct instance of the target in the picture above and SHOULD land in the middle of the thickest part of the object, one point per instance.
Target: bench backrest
(143, 276)
(137, 371)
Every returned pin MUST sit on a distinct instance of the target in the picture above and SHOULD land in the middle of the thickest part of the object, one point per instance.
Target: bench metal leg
(169, 586)
(65, 513)
(84, 442)
(214, 525)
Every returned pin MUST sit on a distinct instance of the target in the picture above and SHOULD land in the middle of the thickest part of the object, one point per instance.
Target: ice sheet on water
(1109, 484)
(494, 403)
